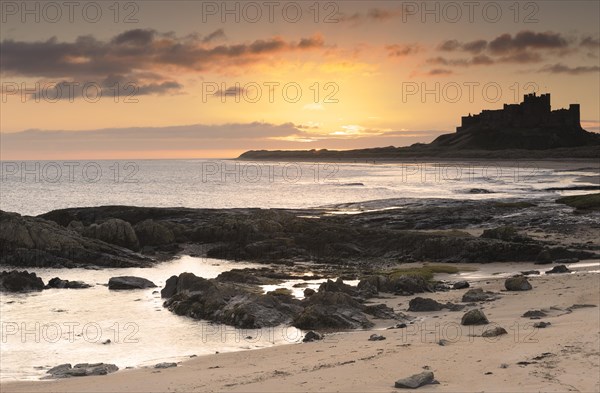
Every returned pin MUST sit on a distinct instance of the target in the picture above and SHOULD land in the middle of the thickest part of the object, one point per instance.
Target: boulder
(114, 231)
(420, 304)
(308, 292)
(461, 285)
(129, 282)
(331, 310)
(376, 337)
(20, 281)
(170, 288)
(415, 381)
(312, 336)
(541, 325)
(494, 332)
(56, 282)
(518, 283)
(474, 317)
(534, 314)
(559, 269)
(478, 295)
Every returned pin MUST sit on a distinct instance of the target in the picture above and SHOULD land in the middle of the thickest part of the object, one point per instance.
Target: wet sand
(564, 356)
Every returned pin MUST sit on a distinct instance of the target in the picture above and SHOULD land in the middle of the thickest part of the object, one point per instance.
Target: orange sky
(178, 81)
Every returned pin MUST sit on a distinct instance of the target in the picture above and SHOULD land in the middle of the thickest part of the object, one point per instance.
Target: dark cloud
(214, 36)
(564, 69)
(527, 40)
(233, 91)
(454, 45)
(138, 50)
(440, 72)
(372, 15)
(401, 50)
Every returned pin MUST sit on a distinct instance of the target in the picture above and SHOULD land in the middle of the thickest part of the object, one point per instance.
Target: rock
(530, 272)
(106, 342)
(170, 288)
(129, 282)
(518, 283)
(415, 381)
(474, 317)
(114, 231)
(312, 336)
(20, 281)
(541, 325)
(308, 292)
(506, 233)
(34, 241)
(461, 285)
(534, 314)
(165, 365)
(376, 337)
(477, 295)
(152, 233)
(58, 283)
(494, 332)
(81, 370)
(420, 304)
(564, 261)
(559, 269)
(331, 310)
(543, 258)
(443, 342)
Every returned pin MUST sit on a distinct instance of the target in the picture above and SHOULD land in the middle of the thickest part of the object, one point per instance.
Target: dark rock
(478, 295)
(541, 325)
(331, 310)
(420, 304)
(376, 337)
(530, 272)
(415, 381)
(564, 261)
(58, 283)
(129, 282)
(312, 336)
(170, 288)
(152, 233)
(114, 231)
(534, 314)
(474, 317)
(518, 283)
(308, 292)
(494, 332)
(20, 281)
(81, 370)
(543, 258)
(461, 285)
(165, 365)
(559, 269)
(506, 233)
(33, 241)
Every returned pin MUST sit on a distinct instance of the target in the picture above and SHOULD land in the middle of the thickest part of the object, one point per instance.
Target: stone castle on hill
(533, 112)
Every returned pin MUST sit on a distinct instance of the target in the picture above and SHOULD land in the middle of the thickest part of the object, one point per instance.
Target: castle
(533, 112)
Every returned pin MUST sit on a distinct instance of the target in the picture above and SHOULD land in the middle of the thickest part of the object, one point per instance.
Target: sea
(131, 328)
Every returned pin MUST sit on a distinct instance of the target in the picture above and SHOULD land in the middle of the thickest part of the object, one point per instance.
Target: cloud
(140, 50)
(371, 15)
(527, 40)
(233, 91)
(401, 50)
(474, 47)
(564, 69)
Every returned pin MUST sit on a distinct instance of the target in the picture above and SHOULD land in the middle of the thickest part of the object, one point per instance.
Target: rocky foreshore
(433, 230)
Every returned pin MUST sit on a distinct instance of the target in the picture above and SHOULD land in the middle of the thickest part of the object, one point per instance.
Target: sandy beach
(562, 357)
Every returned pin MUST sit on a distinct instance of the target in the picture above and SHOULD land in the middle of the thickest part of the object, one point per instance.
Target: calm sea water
(37, 187)
(57, 326)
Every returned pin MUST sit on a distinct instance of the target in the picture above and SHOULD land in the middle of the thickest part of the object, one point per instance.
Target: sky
(191, 79)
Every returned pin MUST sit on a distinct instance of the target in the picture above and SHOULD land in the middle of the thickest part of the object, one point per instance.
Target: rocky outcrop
(478, 295)
(152, 233)
(331, 311)
(114, 231)
(17, 281)
(420, 304)
(559, 269)
(81, 370)
(129, 282)
(35, 242)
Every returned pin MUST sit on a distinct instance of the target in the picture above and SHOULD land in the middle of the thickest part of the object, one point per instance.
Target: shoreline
(349, 362)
